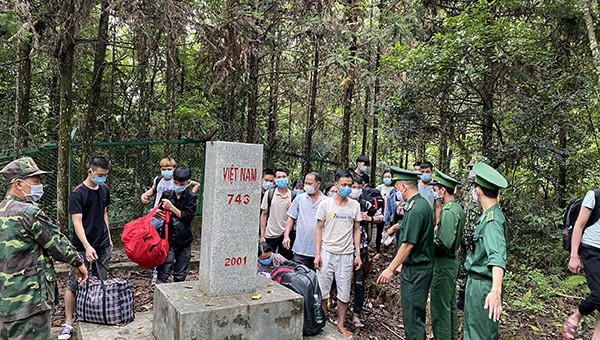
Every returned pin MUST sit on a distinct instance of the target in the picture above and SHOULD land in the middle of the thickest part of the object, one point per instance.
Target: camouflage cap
(21, 168)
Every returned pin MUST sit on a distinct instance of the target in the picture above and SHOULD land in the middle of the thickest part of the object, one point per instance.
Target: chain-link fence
(134, 165)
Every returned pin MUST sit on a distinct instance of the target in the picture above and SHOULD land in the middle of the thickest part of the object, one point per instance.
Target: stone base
(182, 311)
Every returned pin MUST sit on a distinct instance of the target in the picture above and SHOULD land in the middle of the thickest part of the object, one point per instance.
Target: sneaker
(154, 276)
(66, 332)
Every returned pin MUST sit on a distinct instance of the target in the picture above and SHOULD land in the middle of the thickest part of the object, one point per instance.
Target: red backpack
(142, 243)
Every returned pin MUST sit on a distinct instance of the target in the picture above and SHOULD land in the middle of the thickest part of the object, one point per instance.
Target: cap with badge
(445, 180)
(403, 175)
(21, 168)
(488, 177)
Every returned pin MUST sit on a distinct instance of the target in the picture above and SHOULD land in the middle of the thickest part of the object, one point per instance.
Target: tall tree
(591, 31)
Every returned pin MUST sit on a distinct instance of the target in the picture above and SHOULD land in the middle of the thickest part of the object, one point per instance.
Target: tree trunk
(312, 108)
(349, 83)
(252, 96)
(376, 98)
(89, 120)
(66, 52)
(274, 99)
(487, 121)
(589, 25)
(365, 122)
(23, 92)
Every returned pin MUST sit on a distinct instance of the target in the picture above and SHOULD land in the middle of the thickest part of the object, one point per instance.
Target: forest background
(320, 82)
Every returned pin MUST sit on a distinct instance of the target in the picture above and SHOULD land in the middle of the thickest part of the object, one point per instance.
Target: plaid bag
(108, 302)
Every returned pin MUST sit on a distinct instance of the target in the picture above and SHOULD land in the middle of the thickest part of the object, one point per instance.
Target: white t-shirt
(591, 234)
(338, 231)
(163, 185)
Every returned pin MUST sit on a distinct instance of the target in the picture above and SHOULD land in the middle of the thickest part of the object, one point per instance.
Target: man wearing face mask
(337, 245)
(385, 189)
(29, 242)
(275, 205)
(395, 202)
(415, 254)
(362, 167)
(369, 214)
(425, 181)
(486, 257)
(181, 202)
(446, 263)
(88, 207)
(303, 212)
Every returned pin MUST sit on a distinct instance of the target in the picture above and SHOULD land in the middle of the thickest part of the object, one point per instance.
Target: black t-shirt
(186, 203)
(91, 204)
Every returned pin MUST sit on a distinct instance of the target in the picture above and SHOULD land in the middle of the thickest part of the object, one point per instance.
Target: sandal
(357, 323)
(569, 330)
(345, 332)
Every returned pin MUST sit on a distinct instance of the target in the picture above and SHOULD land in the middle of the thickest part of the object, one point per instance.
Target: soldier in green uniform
(28, 243)
(486, 257)
(472, 213)
(415, 254)
(446, 263)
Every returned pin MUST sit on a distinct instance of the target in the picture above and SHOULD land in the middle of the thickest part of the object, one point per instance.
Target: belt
(479, 277)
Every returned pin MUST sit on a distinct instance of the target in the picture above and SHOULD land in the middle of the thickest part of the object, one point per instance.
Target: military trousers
(478, 326)
(444, 320)
(34, 327)
(414, 288)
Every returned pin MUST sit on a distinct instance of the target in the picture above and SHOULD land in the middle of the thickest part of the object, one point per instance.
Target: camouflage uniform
(472, 214)
(28, 243)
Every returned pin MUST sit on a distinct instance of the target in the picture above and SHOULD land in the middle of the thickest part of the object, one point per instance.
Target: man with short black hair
(267, 181)
(303, 212)
(273, 218)
(88, 206)
(415, 255)
(362, 166)
(181, 202)
(425, 188)
(337, 245)
(417, 166)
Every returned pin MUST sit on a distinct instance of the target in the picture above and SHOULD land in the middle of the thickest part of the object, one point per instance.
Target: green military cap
(403, 175)
(445, 180)
(21, 168)
(488, 177)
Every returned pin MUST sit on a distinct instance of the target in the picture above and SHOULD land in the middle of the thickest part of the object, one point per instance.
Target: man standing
(28, 243)
(415, 254)
(486, 257)
(88, 207)
(275, 205)
(446, 261)
(303, 211)
(337, 245)
(425, 188)
(362, 166)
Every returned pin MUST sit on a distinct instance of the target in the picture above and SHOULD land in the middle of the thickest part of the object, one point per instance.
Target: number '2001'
(234, 261)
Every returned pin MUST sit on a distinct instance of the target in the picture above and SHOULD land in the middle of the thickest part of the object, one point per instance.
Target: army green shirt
(450, 230)
(28, 242)
(417, 228)
(490, 243)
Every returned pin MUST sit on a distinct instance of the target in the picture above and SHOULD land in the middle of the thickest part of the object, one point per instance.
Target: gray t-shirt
(427, 193)
(591, 234)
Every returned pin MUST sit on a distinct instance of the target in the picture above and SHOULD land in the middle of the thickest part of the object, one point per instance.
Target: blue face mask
(167, 174)
(267, 185)
(267, 261)
(345, 191)
(364, 168)
(281, 182)
(426, 177)
(298, 192)
(331, 194)
(387, 181)
(179, 189)
(98, 180)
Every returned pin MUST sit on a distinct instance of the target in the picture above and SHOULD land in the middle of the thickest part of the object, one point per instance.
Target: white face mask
(309, 189)
(37, 191)
(356, 193)
(475, 197)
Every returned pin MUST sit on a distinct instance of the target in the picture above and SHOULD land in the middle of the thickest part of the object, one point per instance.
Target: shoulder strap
(156, 181)
(270, 195)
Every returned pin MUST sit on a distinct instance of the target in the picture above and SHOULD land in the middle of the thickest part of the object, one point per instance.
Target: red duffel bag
(143, 245)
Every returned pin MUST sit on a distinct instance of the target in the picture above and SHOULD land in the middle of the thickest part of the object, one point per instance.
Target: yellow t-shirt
(338, 236)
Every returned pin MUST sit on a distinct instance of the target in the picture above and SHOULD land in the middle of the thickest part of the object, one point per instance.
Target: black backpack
(373, 196)
(570, 217)
(304, 282)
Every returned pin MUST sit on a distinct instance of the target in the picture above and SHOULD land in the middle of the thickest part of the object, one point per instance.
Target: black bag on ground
(570, 217)
(304, 282)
